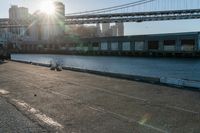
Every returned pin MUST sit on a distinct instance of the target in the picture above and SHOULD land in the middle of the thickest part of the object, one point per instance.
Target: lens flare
(47, 7)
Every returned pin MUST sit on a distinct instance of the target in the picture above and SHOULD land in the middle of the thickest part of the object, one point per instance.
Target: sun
(47, 7)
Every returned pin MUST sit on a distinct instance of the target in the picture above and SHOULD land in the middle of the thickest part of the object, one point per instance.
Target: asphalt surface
(72, 102)
(13, 121)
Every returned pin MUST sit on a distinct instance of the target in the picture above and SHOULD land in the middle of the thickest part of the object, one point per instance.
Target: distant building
(18, 14)
(60, 9)
(114, 30)
(35, 29)
(48, 27)
(105, 29)
(120, 29)
(55, 26)
(4, 36)
(99, 34)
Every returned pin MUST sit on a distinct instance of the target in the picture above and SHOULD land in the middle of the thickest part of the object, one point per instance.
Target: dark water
(154, 67)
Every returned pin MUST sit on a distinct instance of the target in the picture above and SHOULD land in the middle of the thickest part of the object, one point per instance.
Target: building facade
(114, 30)
(49, 27)
(105, 29)
(120, 29)
(18, 15)
(174, 44)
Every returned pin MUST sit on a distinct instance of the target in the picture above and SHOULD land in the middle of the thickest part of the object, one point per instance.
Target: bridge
(134, 17)
(138, 11)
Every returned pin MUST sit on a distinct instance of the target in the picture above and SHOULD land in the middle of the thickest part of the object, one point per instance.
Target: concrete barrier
(193, 84)
(117, 75)
(180, 82)
(172, 81)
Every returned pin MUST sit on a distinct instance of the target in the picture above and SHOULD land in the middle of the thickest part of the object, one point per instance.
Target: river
(182, 68)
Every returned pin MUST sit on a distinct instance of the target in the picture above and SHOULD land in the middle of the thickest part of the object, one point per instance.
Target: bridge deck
(78, 102)
(113, 18)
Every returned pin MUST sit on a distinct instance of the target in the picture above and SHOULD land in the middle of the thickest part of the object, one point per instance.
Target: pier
(71, 101)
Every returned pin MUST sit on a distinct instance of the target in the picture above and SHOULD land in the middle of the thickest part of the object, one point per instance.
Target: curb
(180, 82)
(116, 75)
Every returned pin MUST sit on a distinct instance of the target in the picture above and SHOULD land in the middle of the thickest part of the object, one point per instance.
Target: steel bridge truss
(114, 18)
(134, 17)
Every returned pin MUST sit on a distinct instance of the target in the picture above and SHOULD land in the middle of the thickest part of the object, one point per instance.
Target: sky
(130, 28)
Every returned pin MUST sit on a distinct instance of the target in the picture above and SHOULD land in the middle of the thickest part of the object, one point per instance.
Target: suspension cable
(113, 8)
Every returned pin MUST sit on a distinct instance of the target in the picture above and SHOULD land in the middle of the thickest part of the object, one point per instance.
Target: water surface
(153, 67)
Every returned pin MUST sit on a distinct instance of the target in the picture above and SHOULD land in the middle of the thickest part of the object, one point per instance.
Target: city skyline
(130, 28)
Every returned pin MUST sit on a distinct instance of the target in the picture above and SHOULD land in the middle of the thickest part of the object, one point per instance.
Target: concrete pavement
(13, 121)
(75, 102)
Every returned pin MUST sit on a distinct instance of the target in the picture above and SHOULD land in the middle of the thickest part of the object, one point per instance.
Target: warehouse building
(156, 44)
(163, 43)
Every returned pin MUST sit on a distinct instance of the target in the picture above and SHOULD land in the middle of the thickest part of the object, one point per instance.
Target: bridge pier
(198, 42)
(178, 44)
(161, 45)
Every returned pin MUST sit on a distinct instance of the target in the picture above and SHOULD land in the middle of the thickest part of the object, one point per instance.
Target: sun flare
(47, 7)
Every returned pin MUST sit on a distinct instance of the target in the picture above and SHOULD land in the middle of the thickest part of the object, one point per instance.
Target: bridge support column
(161, 45)
(198, 42)
(178, 45)
(132, 45)
(109, 46)
(146, 47)
(120, 46)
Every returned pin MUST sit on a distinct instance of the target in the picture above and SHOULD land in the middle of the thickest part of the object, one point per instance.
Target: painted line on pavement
(4, 92)
(39, 115)
(182, 109)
